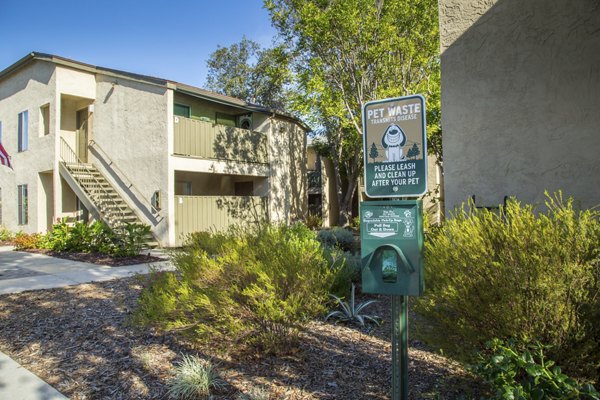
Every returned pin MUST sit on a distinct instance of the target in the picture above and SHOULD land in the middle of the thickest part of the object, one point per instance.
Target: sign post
(395, 159)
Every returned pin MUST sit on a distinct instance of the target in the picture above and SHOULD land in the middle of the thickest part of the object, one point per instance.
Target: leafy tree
(348, 52)
(249, 72)
(373, 153)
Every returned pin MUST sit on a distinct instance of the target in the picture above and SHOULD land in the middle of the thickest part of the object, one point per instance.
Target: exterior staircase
(99, 197)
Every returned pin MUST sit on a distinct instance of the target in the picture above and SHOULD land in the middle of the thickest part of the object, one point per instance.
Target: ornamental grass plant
(194, 378)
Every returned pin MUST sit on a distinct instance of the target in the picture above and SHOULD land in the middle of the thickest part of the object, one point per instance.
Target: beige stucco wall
(520, 98)
(75, 83)
(130, 124)
(27, 89)
(287, 182)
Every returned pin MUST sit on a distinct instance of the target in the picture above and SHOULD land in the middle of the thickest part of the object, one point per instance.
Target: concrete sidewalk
(17, 383)
(21, 271)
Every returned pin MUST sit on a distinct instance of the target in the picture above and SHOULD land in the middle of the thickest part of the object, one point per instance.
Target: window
(45, 120)
(22, 204)
(182, 111)
(225, 119)
(23, 131)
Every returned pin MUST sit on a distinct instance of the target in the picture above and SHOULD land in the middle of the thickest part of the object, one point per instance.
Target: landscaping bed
(99, 258)
(78, 339)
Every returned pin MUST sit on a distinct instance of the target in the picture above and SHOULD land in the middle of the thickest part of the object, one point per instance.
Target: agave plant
(350, 312)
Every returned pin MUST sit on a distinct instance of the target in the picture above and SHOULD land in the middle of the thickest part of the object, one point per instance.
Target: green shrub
(516, 274)
(337, 237)
(347, 267)
(260, 285)
(130, 240)
(193, 379)
(515, 374)
(96, 237)
(57, 238)
(313, 221)
(210, 242)
(25, 241)
(5, 234)
(355, 223)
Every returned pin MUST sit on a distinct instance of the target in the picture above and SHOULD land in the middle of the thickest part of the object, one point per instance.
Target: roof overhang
(179, 87)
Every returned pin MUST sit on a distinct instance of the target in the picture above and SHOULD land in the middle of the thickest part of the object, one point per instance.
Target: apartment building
(93, 142)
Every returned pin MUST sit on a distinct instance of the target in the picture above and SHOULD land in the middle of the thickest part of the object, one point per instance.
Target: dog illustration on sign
(393, 140)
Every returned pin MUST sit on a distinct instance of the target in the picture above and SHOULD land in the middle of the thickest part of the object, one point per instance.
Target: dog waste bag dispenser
(392, 243)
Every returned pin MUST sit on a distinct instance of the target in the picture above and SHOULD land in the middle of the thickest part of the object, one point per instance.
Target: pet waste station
(395, 162)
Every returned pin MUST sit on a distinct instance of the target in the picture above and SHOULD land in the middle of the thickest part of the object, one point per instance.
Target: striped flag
(4, 158)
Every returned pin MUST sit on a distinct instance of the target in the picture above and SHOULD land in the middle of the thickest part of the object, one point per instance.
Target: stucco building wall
(130, 125)
(27, 89)
(288, 185)
(520, 98)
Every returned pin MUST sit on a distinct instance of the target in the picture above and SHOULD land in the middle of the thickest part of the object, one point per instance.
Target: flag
(4, 158)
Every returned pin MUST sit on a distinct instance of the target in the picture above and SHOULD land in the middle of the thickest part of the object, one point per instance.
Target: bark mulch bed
(78, 339)
(99, 259)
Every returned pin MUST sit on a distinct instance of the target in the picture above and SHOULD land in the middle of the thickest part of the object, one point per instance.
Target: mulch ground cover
(99, 259)
(79, 340)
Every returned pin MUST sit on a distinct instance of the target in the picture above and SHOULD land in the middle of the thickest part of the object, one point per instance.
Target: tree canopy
(348, 52)
(249, 72)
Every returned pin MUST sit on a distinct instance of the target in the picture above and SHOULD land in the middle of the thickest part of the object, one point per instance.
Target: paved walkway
(21, 271)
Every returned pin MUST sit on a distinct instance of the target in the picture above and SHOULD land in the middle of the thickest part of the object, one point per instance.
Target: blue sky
(166, 39)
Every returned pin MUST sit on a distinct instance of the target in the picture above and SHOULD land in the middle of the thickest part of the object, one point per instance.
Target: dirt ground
(79, 340)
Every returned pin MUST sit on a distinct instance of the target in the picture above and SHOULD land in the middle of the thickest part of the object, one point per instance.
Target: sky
(166, 39)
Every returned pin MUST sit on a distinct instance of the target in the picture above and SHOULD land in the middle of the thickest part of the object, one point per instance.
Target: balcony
(218, 142)
(216, 213)
(314, 182)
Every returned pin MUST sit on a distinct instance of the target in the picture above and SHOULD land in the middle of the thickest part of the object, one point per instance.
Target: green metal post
(399, 348)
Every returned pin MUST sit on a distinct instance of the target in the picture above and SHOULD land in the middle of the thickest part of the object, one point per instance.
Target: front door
(81, 135)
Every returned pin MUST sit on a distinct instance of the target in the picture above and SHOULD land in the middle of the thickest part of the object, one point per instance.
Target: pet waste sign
(395, 147)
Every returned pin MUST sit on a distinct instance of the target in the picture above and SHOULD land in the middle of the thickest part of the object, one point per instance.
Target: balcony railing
(218, 142)
(314, 179)
(210, 213)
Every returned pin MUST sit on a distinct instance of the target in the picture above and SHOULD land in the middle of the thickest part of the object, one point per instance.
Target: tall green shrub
(259, 285)
(517, 274)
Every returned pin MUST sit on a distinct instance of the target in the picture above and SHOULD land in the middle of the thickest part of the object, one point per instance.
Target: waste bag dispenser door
(391, 235)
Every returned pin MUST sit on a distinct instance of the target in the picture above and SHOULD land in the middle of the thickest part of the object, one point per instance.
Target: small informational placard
(384, 223)
(395, 147)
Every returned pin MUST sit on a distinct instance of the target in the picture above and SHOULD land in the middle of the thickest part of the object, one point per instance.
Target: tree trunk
(345, 200)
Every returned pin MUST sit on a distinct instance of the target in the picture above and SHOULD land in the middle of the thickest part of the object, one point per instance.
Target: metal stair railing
(70, 158)
(140, 197)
